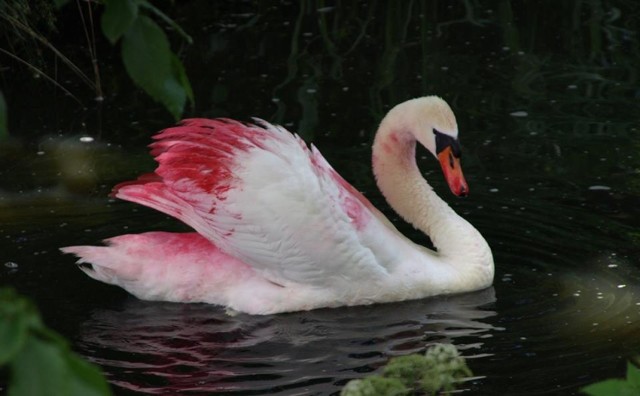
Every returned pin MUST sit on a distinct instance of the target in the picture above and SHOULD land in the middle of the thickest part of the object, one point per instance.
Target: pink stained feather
(352, 202)
(199, 155)
(202, 151)
(200, 163)
(164, 266)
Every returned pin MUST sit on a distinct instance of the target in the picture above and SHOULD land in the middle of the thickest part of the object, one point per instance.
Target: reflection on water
(160, 347)
(605, 298)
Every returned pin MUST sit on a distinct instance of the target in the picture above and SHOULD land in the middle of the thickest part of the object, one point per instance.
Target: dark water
(547, 99)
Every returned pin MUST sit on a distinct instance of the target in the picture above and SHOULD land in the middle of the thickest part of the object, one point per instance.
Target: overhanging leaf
(164, 17)
(118, 17)
(181, 74)
(148, 60)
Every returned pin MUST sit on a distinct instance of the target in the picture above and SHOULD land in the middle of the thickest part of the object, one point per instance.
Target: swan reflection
(157, 348)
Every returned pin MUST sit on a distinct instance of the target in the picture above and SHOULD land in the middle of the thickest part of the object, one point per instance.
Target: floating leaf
(148, 60)
(118, 17)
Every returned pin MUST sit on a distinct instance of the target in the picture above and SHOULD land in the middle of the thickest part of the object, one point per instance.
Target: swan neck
(410, 195)
(464, 253)
(400, 181)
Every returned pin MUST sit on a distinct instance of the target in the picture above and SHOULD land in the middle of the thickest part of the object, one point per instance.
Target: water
(546, 99)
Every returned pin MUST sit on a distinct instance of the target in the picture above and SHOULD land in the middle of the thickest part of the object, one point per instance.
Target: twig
(168, 20)
(43, 74)
(91, 44)
(71, 65)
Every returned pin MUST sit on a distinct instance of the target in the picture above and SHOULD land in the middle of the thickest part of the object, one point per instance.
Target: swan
(277, 229)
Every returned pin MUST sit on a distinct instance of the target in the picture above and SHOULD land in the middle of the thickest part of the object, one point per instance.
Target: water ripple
(153, 348)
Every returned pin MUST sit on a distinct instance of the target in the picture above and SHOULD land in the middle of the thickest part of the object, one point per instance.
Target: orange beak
(453, 172)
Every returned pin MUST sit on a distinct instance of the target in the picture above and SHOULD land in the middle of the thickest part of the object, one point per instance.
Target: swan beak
(453, 172)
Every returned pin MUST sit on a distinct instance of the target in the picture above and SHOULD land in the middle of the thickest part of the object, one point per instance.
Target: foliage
(146, 52)
(627, 387)
(375, 386)
(22, 21)
(151, 65)
(440, 369)
(40, 361)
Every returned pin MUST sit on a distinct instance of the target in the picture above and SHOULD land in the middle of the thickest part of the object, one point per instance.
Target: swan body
(278, 230)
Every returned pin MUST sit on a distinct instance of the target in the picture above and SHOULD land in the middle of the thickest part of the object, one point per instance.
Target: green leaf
(633, 375)
(168, 21)
(17, 318)
(181, 74)
(118, 17)
(610, 387)
(39, 370)
(41, 360)
(4, 123)
(47, 368)
(148, 60)
(87, 378)
(13, 334)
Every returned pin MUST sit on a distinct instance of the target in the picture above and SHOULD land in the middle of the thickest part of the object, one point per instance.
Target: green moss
(375, 386)
(408, 369)
(441, 368)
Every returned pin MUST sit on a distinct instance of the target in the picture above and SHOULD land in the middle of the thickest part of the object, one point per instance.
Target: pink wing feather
(262, 196)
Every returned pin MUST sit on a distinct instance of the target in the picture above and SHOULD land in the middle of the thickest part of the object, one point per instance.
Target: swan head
(436, 129)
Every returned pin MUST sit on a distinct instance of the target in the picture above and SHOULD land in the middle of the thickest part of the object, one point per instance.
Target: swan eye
(443, 141)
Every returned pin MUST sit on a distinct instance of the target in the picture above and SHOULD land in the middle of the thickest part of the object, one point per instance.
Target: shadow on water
(160, 347)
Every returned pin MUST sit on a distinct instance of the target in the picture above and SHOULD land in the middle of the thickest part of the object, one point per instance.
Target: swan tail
(179, 267)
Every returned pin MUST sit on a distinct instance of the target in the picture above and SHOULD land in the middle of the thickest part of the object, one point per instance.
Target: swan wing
(263, 196)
